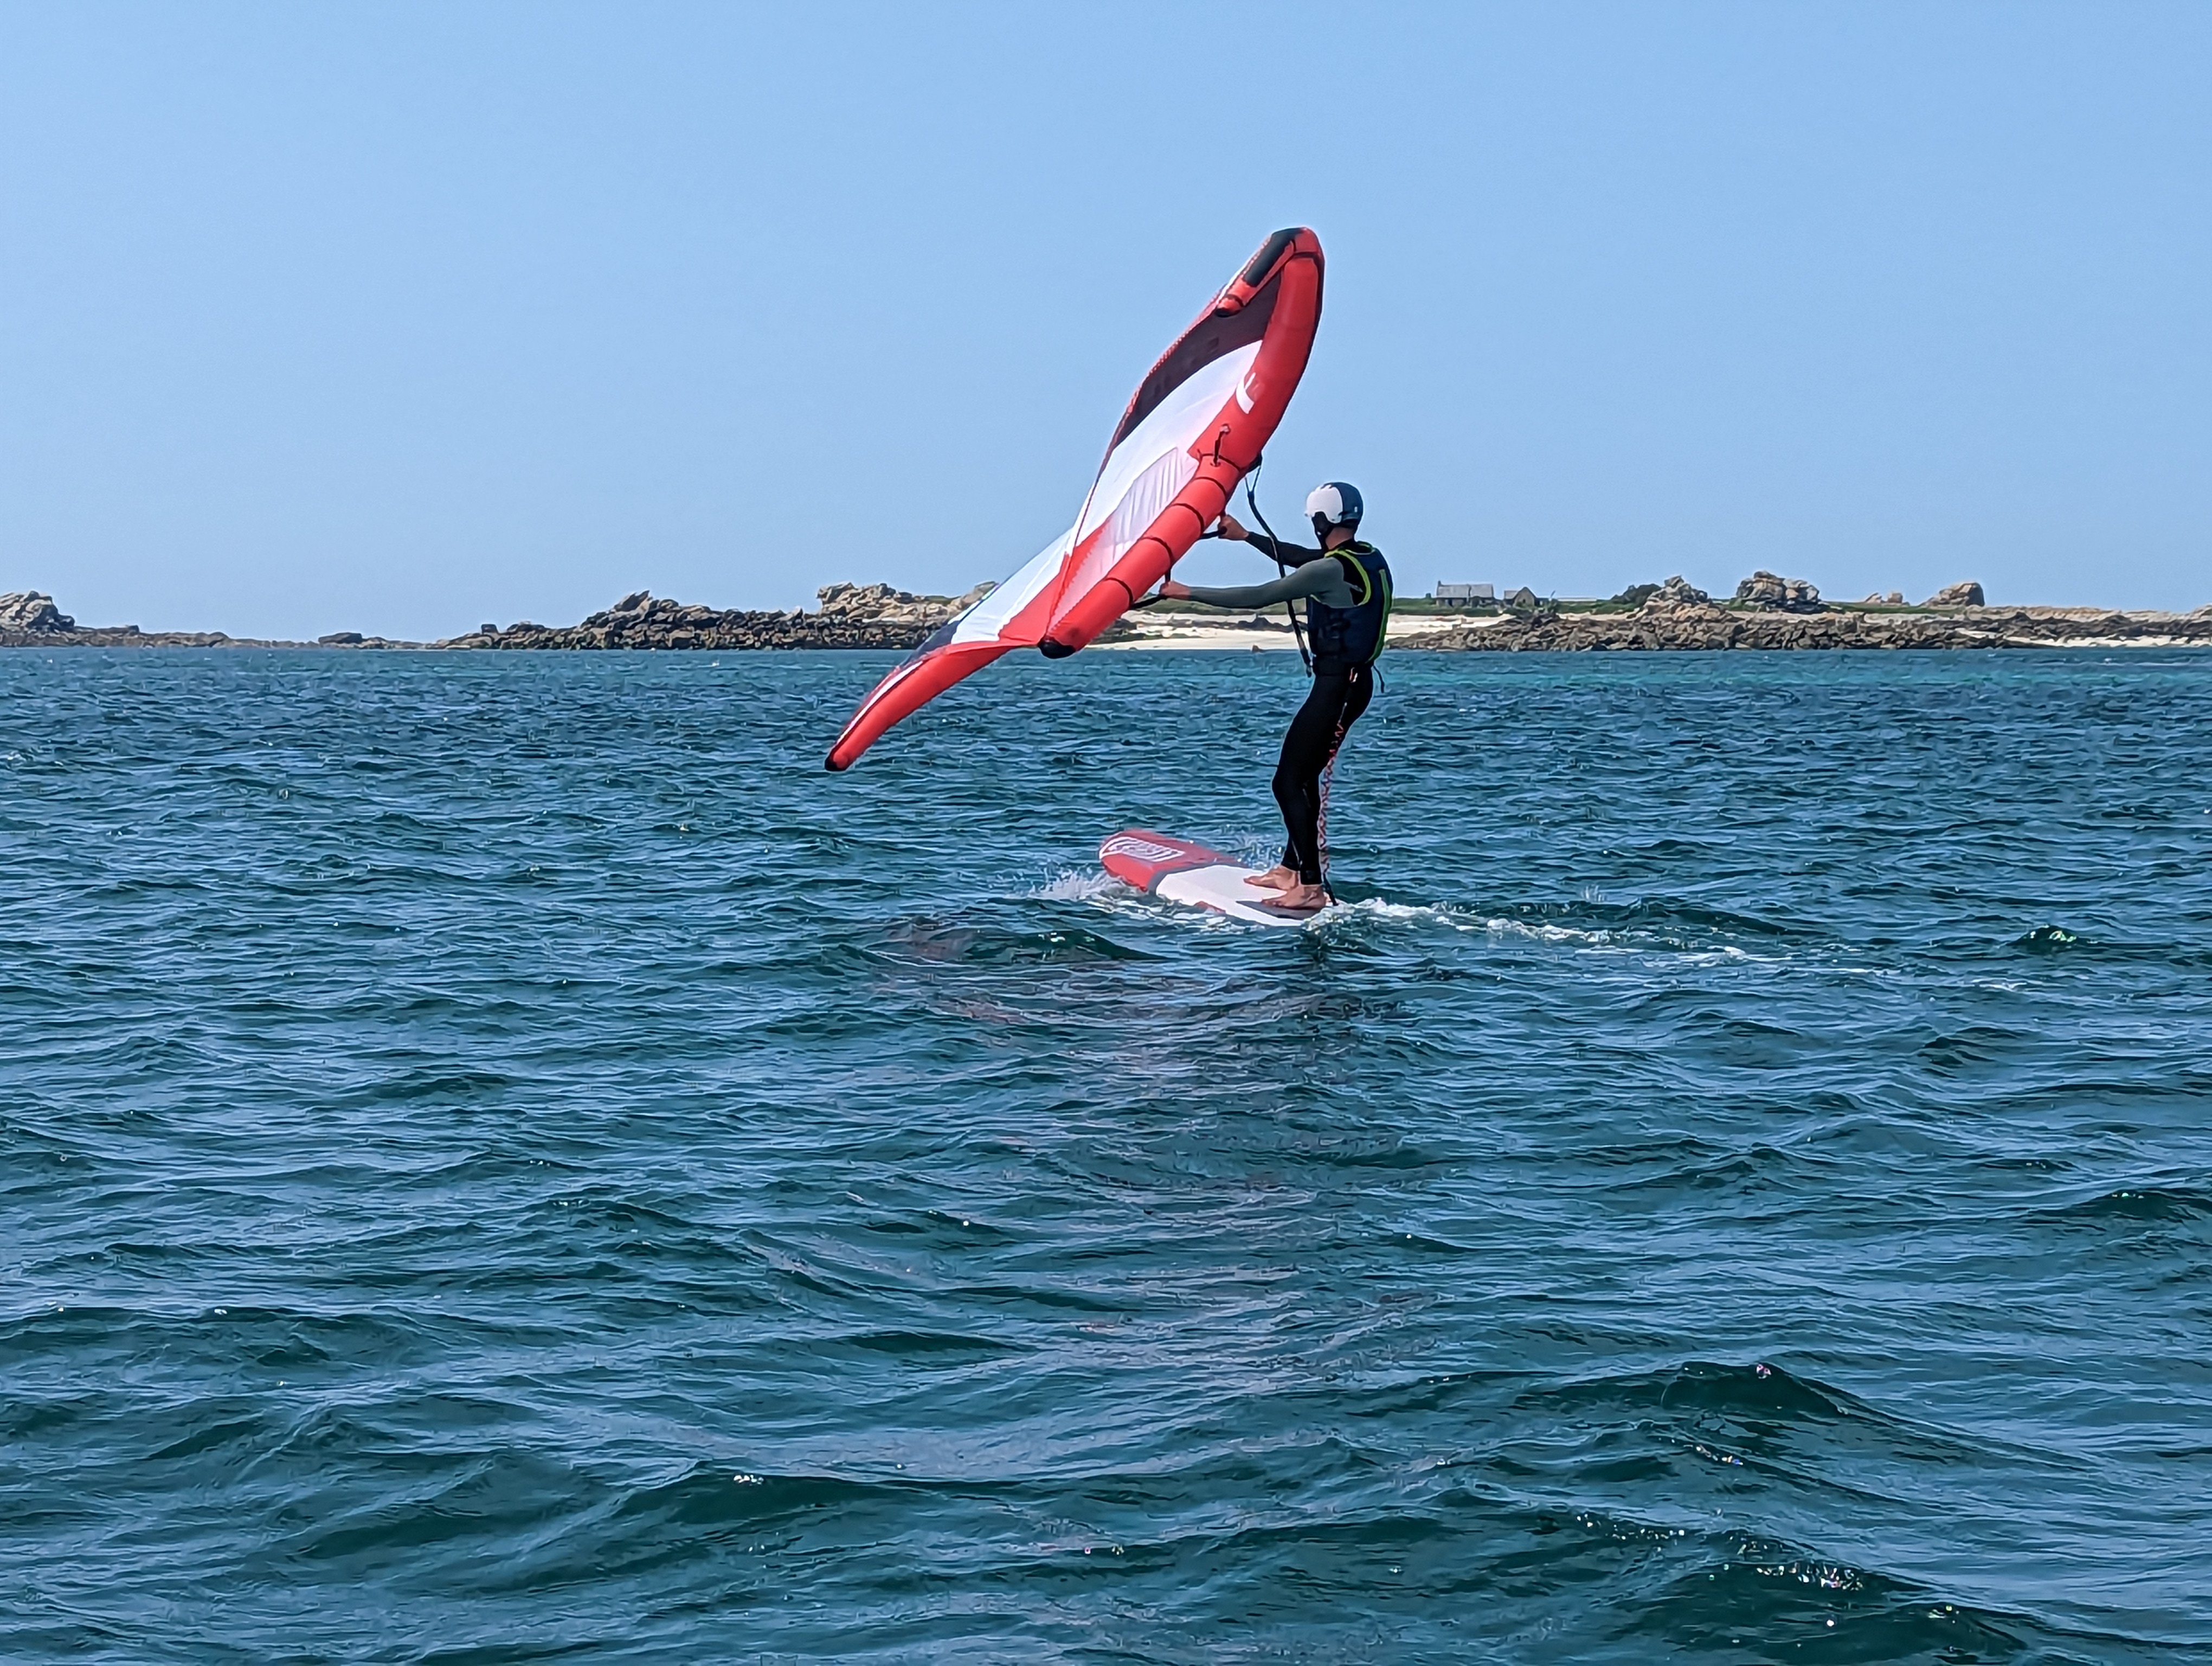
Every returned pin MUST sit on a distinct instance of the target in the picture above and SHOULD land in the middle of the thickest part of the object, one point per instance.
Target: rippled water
(505, 1160)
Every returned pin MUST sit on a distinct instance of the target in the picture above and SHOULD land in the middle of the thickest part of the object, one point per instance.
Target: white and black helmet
(1333, 503)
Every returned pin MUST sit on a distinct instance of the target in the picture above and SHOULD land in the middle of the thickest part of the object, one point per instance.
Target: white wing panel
(1138, 481)
(983, 622)
(1140, 505)
(1174, 425)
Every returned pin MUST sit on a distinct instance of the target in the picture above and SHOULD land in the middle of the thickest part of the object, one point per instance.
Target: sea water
(505, 1158)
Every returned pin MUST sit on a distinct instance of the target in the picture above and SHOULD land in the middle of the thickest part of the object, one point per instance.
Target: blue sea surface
(503, 1159)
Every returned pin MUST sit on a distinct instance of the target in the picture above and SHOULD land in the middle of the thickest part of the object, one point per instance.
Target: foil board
(1178, 870)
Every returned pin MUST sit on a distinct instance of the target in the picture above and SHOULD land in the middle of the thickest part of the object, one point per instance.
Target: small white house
(1465, 593)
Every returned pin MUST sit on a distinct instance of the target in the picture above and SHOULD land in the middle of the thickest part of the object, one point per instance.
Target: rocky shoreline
(849, 615)
(29, 619)
(1771, 613)
(873, 615)
(1691, 629)
(1766, 613)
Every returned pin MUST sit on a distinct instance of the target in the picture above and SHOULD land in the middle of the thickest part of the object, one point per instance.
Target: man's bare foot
(1300, 898)
(1275, 879)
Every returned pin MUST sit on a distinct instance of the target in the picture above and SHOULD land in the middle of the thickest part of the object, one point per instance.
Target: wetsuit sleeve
(1323, 579)
(1293, 555)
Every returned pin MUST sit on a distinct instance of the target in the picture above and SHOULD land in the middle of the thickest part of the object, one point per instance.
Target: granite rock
(1768, 590)
(33, 612)
(1968, 594)
(1677, 594)
(881, 602)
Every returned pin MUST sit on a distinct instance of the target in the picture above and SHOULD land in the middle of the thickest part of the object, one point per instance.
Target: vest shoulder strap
(1352, 557)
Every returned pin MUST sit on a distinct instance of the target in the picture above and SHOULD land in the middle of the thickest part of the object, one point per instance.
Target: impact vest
(1343, 638)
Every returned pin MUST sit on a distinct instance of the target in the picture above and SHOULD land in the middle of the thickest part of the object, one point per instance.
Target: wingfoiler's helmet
(1333, 504)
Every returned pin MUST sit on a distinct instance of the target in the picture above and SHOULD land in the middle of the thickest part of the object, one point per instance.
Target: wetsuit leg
(1332, 707)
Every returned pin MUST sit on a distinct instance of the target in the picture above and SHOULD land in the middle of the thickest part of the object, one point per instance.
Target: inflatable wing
(1194, 426)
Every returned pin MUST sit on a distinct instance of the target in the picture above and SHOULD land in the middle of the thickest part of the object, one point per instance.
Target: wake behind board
(1161, 864)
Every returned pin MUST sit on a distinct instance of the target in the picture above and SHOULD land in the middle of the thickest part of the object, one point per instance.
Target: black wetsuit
(1346, 642)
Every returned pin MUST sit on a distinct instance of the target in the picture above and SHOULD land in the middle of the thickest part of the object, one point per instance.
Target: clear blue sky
(400, 317)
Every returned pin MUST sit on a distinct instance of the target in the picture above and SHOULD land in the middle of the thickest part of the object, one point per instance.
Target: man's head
(1334, 508)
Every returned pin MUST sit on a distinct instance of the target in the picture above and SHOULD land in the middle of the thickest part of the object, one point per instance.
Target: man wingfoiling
(1345, 587)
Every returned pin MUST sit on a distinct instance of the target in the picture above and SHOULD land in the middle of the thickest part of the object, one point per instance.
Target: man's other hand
(1230, 528)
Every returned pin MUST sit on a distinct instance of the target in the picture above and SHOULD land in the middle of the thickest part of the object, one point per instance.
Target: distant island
(1766, 611)
(848, 616)
(1770, 612)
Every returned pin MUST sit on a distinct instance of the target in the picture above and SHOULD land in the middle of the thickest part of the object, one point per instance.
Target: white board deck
(1178, 871)
(1223, 890)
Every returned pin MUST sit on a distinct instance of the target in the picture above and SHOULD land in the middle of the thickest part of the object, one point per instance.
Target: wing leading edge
(1195, 425)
